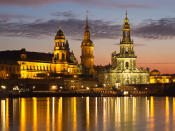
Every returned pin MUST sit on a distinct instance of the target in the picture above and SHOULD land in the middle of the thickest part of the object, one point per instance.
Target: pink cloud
(102, 3)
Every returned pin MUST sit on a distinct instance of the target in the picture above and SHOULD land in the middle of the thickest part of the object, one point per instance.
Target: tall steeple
(87, 58)
(126, 30)
(126, 44)
(87, 32)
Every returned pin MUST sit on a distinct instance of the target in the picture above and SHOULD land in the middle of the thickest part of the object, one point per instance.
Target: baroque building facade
(34, 65)
(123, 68)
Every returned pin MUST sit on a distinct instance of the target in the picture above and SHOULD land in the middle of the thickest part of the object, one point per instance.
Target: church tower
(87, 47)
(123, 70)
(126, 59)
(60, 49)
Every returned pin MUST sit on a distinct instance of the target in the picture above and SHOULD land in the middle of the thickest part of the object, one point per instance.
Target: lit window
(127, 65)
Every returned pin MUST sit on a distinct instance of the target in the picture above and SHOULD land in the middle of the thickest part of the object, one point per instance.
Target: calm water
(88, 114)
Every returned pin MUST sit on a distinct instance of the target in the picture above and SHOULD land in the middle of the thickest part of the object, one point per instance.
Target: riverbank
(59, 94)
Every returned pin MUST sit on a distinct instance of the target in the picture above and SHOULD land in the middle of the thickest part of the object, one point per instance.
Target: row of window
(62, 56)
(60, 44)
(9, 68)
(44, 68)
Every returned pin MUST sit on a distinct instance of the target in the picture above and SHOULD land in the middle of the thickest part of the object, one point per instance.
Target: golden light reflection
(152, 113)
(96, 113)
(75, 114)
(152, 107)
(48, 115)
(59, 126)
(15, 109)
(167, 113)
(118, 110)
(173, 108)
(3, 115)
(126, 109)
(7, 113)
(104, 113)
(23, 114)
(53, 113)
(134, 108)
(147, 107)
(34, 114)
(87, 113)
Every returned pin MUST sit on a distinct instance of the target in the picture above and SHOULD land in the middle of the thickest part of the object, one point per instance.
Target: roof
(12, 56)
(60, 34)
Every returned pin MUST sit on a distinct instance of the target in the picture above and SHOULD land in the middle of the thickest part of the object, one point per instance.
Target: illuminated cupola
(60, 49)
(87, 57)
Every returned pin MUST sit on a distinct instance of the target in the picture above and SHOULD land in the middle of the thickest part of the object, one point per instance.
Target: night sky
(32, 24)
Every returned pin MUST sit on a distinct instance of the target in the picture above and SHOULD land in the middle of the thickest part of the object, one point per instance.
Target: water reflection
(34, 114)
(23, 114)
(98, 113)
(48, 115)
(60, 113)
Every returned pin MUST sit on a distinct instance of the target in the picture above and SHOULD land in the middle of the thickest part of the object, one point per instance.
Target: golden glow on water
(3, 113)
(53, 113)
(7, 113)
(118, 109)
(23, 114)
(167, 113)
(60, 113)
(152, 106)
(147, 108)
(34, 113)
(48, 115)
(152, 113)
(134, 109)
(75, 114)
(96, 113)
(104, 114)
(87, 113)
(125, 108)
(173, 109)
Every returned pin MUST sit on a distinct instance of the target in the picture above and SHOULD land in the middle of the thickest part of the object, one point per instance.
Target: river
(87, 114)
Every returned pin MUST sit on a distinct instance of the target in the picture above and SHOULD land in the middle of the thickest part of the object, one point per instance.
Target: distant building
(35, 65)
(157, 77)
(123, 69)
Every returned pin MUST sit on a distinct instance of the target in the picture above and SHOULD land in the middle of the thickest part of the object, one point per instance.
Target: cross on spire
(86, 17)
(126, 14)
(59, 27)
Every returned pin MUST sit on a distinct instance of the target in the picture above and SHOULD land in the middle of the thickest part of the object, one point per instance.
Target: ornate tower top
(126, 31)
(60, 34)
(87, 41)
(126, 17)
(87, 27)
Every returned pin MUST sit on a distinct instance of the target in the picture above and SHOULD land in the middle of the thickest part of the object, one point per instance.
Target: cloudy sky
(32, 24)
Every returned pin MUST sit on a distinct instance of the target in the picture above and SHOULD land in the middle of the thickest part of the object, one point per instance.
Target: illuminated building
(157, 77)
(87, 58)
(123, 69)
(35, 65)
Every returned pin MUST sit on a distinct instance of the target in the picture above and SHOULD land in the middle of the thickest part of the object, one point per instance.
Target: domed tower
(60, 49)
(87, 47)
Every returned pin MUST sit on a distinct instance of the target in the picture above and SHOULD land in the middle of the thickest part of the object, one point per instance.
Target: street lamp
(3, 87)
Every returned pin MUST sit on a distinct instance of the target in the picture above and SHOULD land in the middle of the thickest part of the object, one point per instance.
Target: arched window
(57, 44)
(126, 49)
(63, 56)
(57, 56)
(126, 33)
(126, 65)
